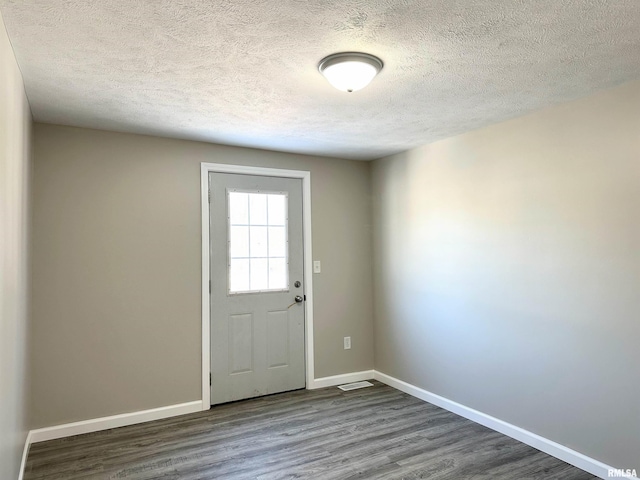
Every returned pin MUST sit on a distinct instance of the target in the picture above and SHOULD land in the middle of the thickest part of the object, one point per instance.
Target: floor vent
(354, 386)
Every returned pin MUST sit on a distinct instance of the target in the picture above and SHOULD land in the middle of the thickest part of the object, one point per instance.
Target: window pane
(239, 208)
(258, 247)
(277, 209)
(258, 242)
(277, 242)
(239, 242)
(259, 274)
(258, 209)
(278, 273)
(239, 276)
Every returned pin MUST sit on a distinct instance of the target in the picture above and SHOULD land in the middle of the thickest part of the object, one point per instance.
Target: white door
(257, 294)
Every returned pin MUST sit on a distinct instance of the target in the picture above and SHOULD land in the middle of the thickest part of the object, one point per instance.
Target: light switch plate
(317, 268)
(347, 343)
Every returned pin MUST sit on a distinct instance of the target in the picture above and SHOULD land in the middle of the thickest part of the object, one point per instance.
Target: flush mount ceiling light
(350, 71)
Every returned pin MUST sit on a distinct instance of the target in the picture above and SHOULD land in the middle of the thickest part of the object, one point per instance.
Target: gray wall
(116, 297)
(507, 272)
(15, 131)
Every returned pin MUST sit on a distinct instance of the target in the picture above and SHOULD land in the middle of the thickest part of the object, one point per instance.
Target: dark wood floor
(371, 433)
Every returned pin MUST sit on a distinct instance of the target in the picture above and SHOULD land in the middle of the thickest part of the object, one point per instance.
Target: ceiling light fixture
(350, 71)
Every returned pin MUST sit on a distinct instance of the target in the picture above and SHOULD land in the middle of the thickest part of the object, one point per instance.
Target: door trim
(205, 169)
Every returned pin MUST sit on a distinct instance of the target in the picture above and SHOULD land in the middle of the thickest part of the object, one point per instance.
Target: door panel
(257, 328)
(240, 344)
(278, 339)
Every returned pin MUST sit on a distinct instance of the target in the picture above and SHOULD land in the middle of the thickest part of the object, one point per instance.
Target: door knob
(298, 299)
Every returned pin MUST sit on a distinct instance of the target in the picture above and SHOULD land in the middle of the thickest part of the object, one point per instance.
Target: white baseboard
(25, 454)
(114, 421)
(545, 445)
(340, 379)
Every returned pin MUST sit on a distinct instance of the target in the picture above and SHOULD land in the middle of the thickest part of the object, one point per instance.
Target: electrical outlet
(347, 343)
(317, 268)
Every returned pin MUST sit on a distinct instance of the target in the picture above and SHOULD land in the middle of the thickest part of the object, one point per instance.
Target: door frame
(205, 169)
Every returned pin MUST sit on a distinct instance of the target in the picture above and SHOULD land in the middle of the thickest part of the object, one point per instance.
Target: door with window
(257, 294)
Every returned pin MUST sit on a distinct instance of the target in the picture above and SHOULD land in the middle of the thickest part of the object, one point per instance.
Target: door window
(258, 246)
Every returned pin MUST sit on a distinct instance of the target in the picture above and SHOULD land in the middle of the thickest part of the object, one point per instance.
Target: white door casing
(305, 176)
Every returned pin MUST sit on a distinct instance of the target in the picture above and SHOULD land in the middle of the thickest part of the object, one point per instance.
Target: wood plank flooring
(369, 434)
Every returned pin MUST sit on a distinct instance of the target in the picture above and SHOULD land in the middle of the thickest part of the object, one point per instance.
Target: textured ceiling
(244, 72)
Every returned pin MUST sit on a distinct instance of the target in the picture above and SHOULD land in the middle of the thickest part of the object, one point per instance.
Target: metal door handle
(298, 299)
